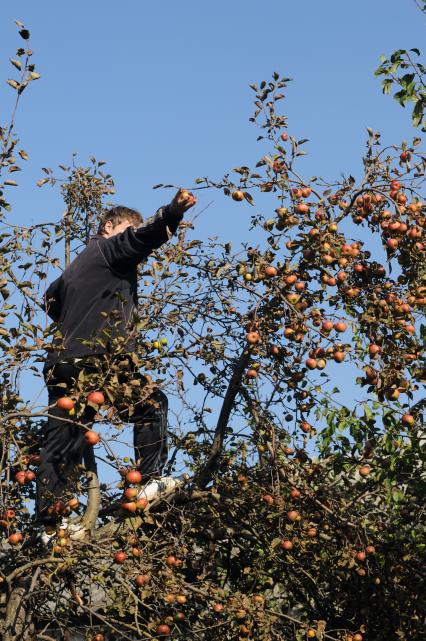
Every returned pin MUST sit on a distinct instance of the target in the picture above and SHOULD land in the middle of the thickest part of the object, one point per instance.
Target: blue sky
(160, 91)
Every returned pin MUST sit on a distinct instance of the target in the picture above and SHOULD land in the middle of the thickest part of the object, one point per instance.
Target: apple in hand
(183, 201)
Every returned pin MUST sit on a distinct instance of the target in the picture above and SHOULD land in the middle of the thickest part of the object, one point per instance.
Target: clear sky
(159, 89)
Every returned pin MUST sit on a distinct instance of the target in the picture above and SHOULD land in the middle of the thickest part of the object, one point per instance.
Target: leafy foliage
(403, 70)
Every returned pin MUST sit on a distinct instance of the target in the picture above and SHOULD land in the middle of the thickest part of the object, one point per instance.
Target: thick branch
(205, 474)
(90, 516)
(16, 615)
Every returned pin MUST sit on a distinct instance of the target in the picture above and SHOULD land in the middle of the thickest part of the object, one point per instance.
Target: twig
(289, 618)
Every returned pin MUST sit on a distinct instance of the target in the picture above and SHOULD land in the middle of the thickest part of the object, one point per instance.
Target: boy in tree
(94, 298)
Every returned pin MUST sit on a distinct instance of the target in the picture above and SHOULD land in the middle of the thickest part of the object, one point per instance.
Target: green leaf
(368, 413)
(407, 80)
(386, 85)
(401, 97)
(417, 115)
(341, 426)
(397, 55)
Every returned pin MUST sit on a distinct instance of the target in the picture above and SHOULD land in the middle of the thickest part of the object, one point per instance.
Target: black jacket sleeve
(134, 245)
(52, 300)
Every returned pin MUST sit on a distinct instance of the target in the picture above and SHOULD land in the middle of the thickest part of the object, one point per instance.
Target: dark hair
(118, 215)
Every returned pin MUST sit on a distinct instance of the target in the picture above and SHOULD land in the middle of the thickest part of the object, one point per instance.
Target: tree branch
(204, 476)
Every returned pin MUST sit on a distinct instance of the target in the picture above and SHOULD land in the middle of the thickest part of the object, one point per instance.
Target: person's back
(90, 301)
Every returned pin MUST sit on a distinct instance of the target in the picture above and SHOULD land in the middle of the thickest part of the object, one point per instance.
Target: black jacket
(93, 300)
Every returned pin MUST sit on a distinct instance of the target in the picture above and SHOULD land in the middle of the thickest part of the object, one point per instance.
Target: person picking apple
(93, 300)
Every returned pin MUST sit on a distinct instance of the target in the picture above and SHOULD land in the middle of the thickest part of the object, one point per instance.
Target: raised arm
(134, 245)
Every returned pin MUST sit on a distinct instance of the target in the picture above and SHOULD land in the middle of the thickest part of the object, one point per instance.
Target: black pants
(65, 446)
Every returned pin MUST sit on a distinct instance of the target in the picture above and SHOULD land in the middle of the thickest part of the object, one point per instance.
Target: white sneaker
(75, 531)
(47, 537)
(158, 486)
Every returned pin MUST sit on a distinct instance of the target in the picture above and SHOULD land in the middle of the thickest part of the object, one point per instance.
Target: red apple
(286, 544)
(96, 397)
(364, 470)
(163, 629)
(271, 271)
(301, 208)
(238, 195)
(120, 556)
(134, 476)
(129, 506)
(253, 338)
(274, 350)
(340, 326)
(305, 427)
(141, 504)
(15, 538)
(293, 515)
(339, 356)
(392, 243)
(92, 437)
(65, 403)
(20, 477)
(374, 349)
(130, 493)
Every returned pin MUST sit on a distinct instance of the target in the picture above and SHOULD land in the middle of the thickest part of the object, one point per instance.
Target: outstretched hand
(183, 201)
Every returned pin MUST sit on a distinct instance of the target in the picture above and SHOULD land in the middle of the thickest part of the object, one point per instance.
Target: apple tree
(296, 367)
